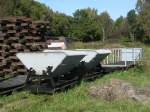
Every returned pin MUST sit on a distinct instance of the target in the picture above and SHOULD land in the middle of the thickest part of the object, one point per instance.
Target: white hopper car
(55, 68)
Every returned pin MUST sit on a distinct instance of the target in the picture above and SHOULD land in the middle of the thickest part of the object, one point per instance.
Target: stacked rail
(17, 34)
(42, 28)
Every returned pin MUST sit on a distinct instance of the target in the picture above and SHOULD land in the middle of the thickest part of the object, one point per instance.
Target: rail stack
(41, 27)
(18, 34)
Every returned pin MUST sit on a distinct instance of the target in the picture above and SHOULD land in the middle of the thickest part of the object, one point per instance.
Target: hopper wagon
(53, 70)
(94, 57)
(50, 70)
(92, 62)
(91, 66)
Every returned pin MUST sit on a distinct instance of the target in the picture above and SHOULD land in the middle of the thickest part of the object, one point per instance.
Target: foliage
(121, 27)
(85, 26)
(132, 23)
(144, 18)
(106, 24)
(60, 24)
(6, 7)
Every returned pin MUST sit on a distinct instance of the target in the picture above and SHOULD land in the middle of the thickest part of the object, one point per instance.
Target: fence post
(126, 58)
(134, 57)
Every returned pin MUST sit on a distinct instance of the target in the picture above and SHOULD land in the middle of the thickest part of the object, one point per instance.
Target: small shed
(59, 42)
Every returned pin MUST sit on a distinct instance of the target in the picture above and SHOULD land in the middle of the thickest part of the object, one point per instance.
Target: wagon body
(94, 57)
(60, 62)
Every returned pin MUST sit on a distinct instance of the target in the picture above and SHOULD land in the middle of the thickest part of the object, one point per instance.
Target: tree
(119, 21)
(143, 8)
(132, 17)
(41, 12)
(132, 22)
(85, 26)
(121, 27)
(106, 24)
(29, 8)
(84, 14)
(6, 7)
(60, 24)
(141, 4)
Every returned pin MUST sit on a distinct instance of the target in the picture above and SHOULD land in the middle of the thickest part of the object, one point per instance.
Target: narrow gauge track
(12, 83)
(42, 84)
(8, 91)
(45, 84)
(45, 87)
(19, 82)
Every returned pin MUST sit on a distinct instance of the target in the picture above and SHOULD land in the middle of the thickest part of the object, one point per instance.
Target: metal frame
(75, 77)
(113, 59)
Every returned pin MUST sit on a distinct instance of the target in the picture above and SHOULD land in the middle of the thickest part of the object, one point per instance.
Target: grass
(77, 98)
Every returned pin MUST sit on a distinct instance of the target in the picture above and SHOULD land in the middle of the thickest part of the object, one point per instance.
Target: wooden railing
(124, 55)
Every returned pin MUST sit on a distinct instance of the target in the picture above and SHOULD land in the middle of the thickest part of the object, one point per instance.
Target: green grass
(77, 99)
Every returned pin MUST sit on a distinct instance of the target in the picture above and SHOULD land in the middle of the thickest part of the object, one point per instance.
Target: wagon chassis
(46, 83)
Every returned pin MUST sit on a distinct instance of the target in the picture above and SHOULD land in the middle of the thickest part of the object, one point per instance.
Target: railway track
(16, 83)
(19, 82)
(11, 84)
(61, 83)
(10, 90)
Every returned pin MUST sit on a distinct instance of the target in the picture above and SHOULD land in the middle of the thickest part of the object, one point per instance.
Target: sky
(115, 8)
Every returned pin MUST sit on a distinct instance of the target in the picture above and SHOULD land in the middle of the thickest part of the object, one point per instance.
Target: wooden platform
(120, 64)
(123, 58)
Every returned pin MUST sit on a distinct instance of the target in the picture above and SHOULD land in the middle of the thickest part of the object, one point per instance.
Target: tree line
(86, 24)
